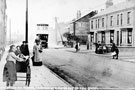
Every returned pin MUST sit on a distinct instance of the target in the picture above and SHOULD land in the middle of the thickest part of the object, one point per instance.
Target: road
(88, 69)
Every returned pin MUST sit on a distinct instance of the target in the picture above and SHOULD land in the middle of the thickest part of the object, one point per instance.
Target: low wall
(127, 49)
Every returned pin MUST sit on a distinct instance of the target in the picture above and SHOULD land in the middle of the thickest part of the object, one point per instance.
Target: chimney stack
(109, 3)
(78, 14)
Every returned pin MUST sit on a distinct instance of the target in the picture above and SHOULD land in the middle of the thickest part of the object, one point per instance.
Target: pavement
(41, 77)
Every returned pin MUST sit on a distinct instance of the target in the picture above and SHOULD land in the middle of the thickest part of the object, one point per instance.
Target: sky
(44, 11)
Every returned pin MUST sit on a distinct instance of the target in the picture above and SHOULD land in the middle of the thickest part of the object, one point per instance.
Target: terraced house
(115, 24)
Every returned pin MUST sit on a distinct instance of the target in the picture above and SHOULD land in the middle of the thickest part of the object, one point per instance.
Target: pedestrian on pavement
(97, 47)
(113, 47)
(9, 73)
(24, 48)
(116, 50)
(77, 46)
(37, 49)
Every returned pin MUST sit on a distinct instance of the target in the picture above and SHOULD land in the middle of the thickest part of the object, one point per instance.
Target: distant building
(42, 29)
(115, 24)
(3, 22)
(81, 27)
(42, 33)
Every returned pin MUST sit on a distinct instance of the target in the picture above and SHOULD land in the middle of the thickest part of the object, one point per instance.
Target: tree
(67, 35)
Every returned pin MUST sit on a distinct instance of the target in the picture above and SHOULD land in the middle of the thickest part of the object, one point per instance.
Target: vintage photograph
(67, 44)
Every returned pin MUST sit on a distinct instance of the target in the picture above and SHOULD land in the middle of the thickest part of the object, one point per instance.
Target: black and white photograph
(67, 44)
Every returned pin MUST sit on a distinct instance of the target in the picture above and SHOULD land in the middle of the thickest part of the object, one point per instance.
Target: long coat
(24, 50)
(36, 52)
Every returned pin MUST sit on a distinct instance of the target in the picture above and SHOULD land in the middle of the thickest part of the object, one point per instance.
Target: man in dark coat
(113, 47)
(117, 53)
(24, 49)
(97, 47)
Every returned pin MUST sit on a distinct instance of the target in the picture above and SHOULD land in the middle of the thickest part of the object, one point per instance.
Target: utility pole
(56, 27)
(26, 33)
(10, 31)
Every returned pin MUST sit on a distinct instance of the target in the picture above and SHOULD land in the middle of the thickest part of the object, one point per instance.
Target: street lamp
(26, 32)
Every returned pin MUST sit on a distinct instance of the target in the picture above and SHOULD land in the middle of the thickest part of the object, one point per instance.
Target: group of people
(19, 54)
(14, 54)
(102, 49)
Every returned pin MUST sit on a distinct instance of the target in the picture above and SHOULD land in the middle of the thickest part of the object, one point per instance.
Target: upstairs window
(111, 21)
(98, 23)
(128, 17)
(102, 22)
(118, 19)
(121, 19)
(91, 24)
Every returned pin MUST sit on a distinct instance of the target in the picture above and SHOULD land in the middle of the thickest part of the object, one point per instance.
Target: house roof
(117, 7)
(89, 14)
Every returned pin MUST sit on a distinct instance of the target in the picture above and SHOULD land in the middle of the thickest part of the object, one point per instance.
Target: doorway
(117, 38)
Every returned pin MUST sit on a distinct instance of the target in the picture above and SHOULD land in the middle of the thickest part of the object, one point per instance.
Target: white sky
(44, 11)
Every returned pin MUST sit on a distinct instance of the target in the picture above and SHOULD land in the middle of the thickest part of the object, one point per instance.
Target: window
(91, 24)
(118, 19)
(98, 23)
(102, 22)
(129, 36)
(92, 36)
(111, 21)
(111, 36)
(124, 37)
(121, 19)
(128, 17)
(103, 37)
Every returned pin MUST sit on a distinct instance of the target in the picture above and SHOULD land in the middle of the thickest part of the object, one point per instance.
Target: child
(28, 75)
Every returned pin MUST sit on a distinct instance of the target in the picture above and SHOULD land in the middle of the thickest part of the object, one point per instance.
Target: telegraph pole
(56, 27)
(26, 33)
(10, 31)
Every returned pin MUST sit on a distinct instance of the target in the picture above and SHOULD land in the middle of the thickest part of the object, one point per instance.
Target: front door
(96, 37)
(117, 38)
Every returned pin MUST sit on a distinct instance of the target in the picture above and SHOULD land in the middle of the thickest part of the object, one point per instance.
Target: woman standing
(37, 49)
(77, 46)
(9, 74)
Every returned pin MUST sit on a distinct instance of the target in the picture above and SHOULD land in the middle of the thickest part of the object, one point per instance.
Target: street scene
(67, 45)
